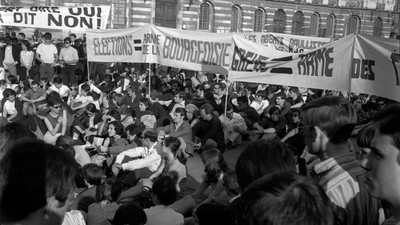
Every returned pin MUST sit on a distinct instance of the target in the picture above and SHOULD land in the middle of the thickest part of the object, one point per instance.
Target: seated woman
(55, 120)
(103, 210)
(87, 123)
(146, 116)
(169, 164)
(31, 120)
(123, 109)
(115, 132)
(81, 156)
(12, 107)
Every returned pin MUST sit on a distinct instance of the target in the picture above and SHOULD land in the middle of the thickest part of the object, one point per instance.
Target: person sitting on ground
(55, 120)
(249, 114)
(285, 198)
(35, 95)
(93, 176)
(163, 194)
(283, 105)
(209, 129)
(328, 123)
(124, 111)
(132, 131)
(12, 106)
(47, 172)
(260, 102)
(60, 88)
(234, 126)
(115, 133)
(295, 98)
(83, 99)
(105, 207)
(80, 154)
(31, 120)
(272, 127)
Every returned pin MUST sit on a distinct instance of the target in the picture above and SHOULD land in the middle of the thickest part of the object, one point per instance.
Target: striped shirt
(343, 180)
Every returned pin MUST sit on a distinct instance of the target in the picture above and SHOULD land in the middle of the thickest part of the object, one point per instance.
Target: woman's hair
(29, 109)
(118, 127)
(13, 79)
(92, 173)
(27, 44)
(111, 189)
(53, 99)
(146, 102)
(165, 189)
(64, 140)
(91, 108)
(214, 164)
(173, 143)
(365, 137)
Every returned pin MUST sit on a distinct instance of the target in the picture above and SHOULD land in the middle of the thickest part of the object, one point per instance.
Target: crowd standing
(113, 147)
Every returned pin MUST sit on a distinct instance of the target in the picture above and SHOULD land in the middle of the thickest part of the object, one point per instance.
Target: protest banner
(354, 63)
(55, 17)
(286, 42)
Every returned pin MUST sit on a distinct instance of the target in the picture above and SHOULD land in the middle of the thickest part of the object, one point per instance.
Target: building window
(236, 22)
(119, 12)
(166, 13)
(315, 25)
(206, 16)
(279, 21)
(258, 20)
(330, 26)
(352, 25)
(298, 24)
(378, 27)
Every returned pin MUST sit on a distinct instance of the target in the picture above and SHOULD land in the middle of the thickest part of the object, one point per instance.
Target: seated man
(129, 142)
(249, 114)
(209, 129)
(35, 95)
(41, 177)
(180, 128)
(260, 102)
(139, 162)
(273, 126)
(60, 88)
(233, 125)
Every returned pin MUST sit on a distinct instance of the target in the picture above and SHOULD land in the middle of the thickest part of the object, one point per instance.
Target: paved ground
(196, 168)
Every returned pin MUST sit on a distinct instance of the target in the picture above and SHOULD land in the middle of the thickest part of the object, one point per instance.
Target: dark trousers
(68, 74)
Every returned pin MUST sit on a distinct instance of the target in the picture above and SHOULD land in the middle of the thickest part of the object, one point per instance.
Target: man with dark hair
(37, 183)
(272, 127)
(283, 105)
(132, 130)
(209, 129)
(68, 59)
(249, 114)
(47, 55)
(328, 123)
(35, 94)
(382, 164)
(145, 158)
(285, 198)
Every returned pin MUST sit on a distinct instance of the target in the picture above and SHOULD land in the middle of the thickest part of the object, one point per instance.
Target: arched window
(330, 26)
(298, 24)
(279, 21)
(236, 21)
(206, 16)
(314, 24)
(378, 27)
(352, 25)
(258, 20)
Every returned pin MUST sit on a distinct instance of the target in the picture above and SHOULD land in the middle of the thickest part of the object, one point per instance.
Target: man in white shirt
(59, 87)
(261, 102)
(143, 161)
(47, 54)
(233, 124)
(68, 59)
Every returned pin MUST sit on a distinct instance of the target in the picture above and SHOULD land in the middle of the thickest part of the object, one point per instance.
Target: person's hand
(60, 119)
(116, 168)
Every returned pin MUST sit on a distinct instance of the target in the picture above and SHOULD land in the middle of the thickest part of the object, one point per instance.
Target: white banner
(372, 67)
(55, 17)
(286, 42)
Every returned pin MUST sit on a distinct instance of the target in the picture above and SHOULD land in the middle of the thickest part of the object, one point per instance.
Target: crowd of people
(113, 147)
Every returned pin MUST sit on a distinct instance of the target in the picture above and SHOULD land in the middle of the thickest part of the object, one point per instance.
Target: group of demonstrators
(113, 149)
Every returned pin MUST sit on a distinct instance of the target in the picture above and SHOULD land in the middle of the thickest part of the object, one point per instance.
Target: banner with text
(373, 70)
(55, 17)
(286, 42)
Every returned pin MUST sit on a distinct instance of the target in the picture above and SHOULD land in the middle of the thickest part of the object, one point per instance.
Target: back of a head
(285, 199)
(261, 158)
(129, 214)
(387, 121)
(92, 173)
(32, 172)
(10, 133)
(165, 190)
(334, 115)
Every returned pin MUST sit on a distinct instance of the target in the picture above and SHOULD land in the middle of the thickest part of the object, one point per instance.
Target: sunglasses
(57, 106)
(66, 42)
(295, 115)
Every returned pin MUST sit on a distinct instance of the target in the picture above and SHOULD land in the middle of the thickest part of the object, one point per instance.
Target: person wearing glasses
(68, 59)
(55, 120)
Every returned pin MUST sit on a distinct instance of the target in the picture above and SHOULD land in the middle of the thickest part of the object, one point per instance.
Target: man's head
(35, 86)
(58, 81)
(243, 102)
(47, 38)
(261, 158)
(219, 88)
(294, 92)
(148, 137)
(21, 36)
(41, 177)
(72, 37)
(67, 42)
(180, 97)
(179, 115)
(382, 163)
(132, 130)
(206, 111)
(9, 94)
(274, 113)
(327, 119)
(229, 111)
(285, 198)
(280, 98)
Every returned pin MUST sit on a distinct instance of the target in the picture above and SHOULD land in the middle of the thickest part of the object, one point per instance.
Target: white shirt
(10, 108)
(63, 91)
(150, 158)
(47, 52)
(237, 120)
(259, 107)
(92, 88)
(161, 214)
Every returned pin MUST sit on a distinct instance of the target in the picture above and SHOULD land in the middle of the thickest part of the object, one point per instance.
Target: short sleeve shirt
(31, 95)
